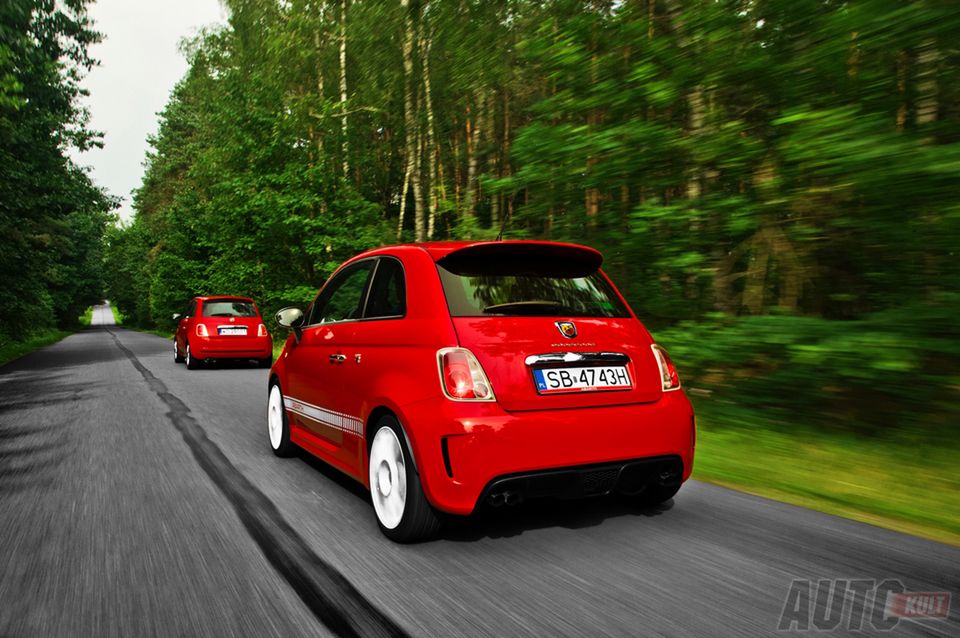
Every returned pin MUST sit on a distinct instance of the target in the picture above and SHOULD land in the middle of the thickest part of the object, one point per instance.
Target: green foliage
(772, 182)
(52, 217)
(893, 369)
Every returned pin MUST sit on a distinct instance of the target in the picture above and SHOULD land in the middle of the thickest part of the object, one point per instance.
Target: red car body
(221, 327)
(339, 377)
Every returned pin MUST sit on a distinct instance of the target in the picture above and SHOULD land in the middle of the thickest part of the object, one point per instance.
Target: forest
(775, 184)
(52, 218)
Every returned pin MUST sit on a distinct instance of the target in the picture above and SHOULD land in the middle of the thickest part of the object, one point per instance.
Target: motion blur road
(138, 498)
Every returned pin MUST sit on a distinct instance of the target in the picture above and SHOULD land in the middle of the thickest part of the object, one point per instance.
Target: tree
(52, 217)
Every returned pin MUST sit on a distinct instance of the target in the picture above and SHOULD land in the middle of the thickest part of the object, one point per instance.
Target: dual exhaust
(498, 499)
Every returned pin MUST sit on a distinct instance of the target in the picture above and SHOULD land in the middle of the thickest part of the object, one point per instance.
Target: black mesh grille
(600, 482)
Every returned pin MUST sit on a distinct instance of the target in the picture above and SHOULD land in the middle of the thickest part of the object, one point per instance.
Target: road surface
(138, 498)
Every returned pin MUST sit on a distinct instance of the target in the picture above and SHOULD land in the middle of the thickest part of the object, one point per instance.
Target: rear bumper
(231, 347)
(625, 477)
(465, 451)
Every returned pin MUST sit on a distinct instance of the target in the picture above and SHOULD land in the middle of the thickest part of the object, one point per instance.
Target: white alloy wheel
(275, 417)
(388, 477)
(187, 357)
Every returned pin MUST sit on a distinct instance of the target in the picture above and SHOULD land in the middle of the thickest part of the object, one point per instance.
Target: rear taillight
(202, 330)
(261, 330)
(668, 371)
(461, 376)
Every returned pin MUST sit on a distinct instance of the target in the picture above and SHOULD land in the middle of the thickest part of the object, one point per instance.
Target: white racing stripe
(343, 422)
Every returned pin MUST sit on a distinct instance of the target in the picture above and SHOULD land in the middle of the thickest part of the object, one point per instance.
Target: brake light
(461, 376)
(261, 330)
(668, 371)
(202, 330)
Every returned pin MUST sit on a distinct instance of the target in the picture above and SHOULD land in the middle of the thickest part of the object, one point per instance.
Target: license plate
(231, 330)
(592, 379)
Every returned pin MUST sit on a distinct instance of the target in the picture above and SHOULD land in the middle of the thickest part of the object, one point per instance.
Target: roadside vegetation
(773, 184)
(53, 218)
(87, 317)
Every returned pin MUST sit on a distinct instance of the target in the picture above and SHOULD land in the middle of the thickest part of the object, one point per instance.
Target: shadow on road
(30, 450)
(508, 522)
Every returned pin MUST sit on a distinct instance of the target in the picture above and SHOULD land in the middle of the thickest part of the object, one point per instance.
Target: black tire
(652, 496)
(176, 353)
(192, 362)
(419, 522)
(282, 446)
(265, 363)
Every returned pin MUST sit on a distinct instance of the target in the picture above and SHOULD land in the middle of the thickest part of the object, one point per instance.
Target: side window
(342, 298)
(388, 297)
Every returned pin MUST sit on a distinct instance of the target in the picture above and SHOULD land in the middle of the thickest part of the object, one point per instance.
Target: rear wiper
(522, 307)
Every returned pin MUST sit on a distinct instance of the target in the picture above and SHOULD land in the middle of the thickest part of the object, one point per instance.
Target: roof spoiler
(544, 259)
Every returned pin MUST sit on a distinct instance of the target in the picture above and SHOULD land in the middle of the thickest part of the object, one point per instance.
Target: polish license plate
(592, 379)
(231, 330)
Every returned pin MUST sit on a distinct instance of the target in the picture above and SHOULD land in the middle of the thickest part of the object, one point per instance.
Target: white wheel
(192, 362)
(275, 417)
(278, 427)
(388, 478)
(403, 512)
(176, 353)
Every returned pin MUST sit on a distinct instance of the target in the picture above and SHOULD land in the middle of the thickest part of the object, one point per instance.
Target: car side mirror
(176, 316)
(291, 318)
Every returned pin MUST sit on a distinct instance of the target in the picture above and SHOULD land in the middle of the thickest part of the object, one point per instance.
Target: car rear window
(229, 308)
(479, 291)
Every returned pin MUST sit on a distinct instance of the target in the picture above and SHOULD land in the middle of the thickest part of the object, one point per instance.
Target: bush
(890, 370)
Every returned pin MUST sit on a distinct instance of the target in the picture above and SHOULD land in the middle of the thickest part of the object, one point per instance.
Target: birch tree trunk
(474, 134)
(412, 171)
(316, 44)
(433, 152)
(345, 144)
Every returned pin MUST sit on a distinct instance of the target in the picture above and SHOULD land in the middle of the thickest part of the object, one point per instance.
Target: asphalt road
(138, 498)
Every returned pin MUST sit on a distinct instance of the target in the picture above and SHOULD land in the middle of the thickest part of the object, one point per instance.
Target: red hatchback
(447, 377)
(217, 328)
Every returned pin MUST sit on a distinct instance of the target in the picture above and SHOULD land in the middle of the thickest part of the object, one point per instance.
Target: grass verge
(904, 483)
(86, 317)
(16, 349)
(117, 315)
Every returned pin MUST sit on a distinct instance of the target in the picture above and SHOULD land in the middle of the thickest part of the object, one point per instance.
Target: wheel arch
(375, 415)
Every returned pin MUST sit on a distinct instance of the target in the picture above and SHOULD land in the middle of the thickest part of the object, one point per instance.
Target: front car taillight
(461, 376)
(202, 330)
(261, 330)
(668, 371)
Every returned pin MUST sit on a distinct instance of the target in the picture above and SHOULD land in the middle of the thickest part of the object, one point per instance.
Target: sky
(140, 62)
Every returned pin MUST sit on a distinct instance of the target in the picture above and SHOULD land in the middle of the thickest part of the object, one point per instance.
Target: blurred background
(775, 185)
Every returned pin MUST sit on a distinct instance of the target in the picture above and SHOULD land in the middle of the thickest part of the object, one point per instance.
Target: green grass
(86, 317)
(16, 349)
(117, 315)
(908, 484)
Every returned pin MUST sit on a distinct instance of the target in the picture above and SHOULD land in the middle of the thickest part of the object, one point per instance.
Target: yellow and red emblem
(567, 329)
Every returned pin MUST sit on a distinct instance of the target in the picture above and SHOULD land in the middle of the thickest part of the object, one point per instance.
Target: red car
(450, 376)
(217, 328)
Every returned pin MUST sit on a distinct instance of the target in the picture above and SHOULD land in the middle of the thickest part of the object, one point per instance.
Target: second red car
(218, 328)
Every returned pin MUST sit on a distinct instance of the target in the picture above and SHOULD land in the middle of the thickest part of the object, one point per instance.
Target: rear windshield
(476, 294)
(229, 308)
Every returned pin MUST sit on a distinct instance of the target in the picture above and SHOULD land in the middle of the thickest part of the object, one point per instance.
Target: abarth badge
(567, 329)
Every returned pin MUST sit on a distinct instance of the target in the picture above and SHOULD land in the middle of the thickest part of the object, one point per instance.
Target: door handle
(338, 358)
